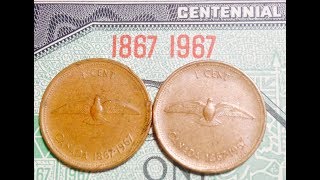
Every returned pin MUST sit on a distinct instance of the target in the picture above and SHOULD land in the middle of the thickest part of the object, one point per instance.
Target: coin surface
(95, 114)
(209, 117)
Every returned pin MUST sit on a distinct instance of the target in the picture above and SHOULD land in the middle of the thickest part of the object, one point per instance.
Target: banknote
(155, 38)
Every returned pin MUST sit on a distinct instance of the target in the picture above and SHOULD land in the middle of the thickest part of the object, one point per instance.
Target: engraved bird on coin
(209, 112)
(96, 110)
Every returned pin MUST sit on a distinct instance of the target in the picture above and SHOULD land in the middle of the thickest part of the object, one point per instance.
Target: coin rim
(168, 151)
(70, 161)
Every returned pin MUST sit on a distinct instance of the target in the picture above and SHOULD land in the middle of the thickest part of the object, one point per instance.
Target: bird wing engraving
(223, 109)
(109, 107)
(74, 107)
(119, 107)
(188, 107)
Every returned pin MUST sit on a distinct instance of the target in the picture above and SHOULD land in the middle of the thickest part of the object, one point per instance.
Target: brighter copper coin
(95, 114)
(209, 117)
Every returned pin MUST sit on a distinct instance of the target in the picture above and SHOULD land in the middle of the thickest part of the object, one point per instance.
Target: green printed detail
(40, 148)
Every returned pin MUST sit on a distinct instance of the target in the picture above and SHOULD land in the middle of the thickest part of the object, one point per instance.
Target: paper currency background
(65, 33)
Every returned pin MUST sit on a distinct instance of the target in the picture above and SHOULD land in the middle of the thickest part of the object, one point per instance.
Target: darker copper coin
(209, 116)
(95, 114)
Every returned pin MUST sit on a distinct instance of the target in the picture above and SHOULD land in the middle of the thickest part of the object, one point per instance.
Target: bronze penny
(95, 114)
(209, 116)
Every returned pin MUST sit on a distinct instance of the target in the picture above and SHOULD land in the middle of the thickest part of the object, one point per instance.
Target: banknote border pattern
(67, 26)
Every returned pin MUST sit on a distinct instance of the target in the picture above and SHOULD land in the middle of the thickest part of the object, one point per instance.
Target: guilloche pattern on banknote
(53, 21)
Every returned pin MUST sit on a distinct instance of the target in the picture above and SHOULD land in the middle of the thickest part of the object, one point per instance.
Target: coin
(95, 114)
(209, 117)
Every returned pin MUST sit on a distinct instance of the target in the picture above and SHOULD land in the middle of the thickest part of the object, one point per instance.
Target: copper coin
(95, 114)
(209, 117)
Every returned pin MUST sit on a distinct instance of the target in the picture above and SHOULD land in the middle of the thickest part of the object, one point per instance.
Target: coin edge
(203, 170)
(60, 156)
